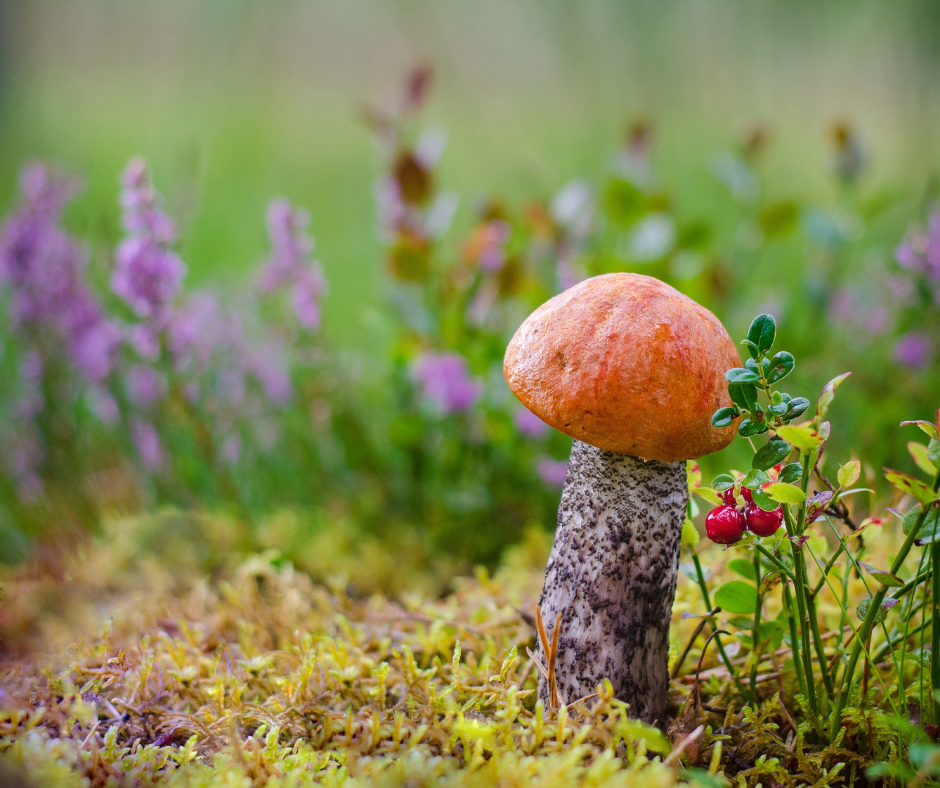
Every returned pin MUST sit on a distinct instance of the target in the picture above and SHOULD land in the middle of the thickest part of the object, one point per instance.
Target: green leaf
(741, 375)
(791, 473)
(930, 529)
(882, 576)
(785, 493)
(762, 332)
(797, 407)
(737, 597)
(804, 438)
(926, 426)
(708, 494)
(907, 523)
(828, 395)
(724, 417)
(862, 610)
(744, 395)
(742, 567)
(755, 479)
(911, 486)
(747, 427)
(849, 473)
(919, 453)
(723, 481)
(771, 630)
(763, 500)
(933, 451)
(781, 365)
(770, 454)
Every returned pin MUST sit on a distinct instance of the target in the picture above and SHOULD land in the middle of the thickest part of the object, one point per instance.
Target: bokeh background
(792, 145)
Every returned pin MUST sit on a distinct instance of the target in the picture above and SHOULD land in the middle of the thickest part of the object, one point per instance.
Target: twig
(674, 755)
(551, 654)
(688, 648)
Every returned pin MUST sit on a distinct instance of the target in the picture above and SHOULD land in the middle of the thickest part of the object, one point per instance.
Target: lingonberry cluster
(726, 523)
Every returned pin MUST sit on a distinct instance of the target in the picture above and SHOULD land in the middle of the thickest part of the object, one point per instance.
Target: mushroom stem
(612, 577)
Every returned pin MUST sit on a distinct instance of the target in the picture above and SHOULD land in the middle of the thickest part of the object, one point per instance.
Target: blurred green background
(235, 102)
(232, 102)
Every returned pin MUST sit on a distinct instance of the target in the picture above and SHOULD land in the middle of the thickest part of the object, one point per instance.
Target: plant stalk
(869, 622)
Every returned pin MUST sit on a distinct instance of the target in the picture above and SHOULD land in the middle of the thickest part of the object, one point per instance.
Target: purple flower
(197, 329)
(94, 348)
(552, 471)
(290, 265)
(103, 405)
(920, 252)
(304, 297)
(446, 382)
(529, 424)
(270, 372)
(147, 274)
(148, 444)
(44, 270)
(144, 385)
(912, 350)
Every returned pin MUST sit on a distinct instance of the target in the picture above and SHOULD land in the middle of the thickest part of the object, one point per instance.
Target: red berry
(724, 525)
(763, 523)
(728, 496)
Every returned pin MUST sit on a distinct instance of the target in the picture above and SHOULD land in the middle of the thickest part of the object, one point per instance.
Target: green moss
(260, 676)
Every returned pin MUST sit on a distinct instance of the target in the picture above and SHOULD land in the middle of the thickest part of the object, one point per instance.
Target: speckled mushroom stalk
(629, 367)
(612, 577)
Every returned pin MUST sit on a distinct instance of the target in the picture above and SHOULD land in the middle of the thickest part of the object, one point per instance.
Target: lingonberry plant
(794, 568)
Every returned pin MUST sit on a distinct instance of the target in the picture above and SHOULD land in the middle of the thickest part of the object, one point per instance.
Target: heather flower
(446, 382)
(290, 265)
(269, 370)
(305, 295)
(144, 385)
(530, 425)
(103, 405)
(94, 348)
(147, 274)
(920, 252)
(552, 472)
(148, 444)
(44, 270)
(196, 330)
(912, 350)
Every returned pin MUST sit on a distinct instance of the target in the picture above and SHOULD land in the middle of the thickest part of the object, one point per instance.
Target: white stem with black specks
(612, 576)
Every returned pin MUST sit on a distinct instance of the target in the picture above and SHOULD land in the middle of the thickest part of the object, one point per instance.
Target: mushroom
(633, 370)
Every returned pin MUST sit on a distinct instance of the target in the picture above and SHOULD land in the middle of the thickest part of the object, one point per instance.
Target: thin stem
(810, 603)
(864, 647)
(801, 611)
(773, 559)
(826, 570)
(935, 628)
(795, 642)
(700, 574)
(755, 632)
(869, 621)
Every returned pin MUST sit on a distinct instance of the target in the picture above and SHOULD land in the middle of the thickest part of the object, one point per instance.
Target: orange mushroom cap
(626, 363)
